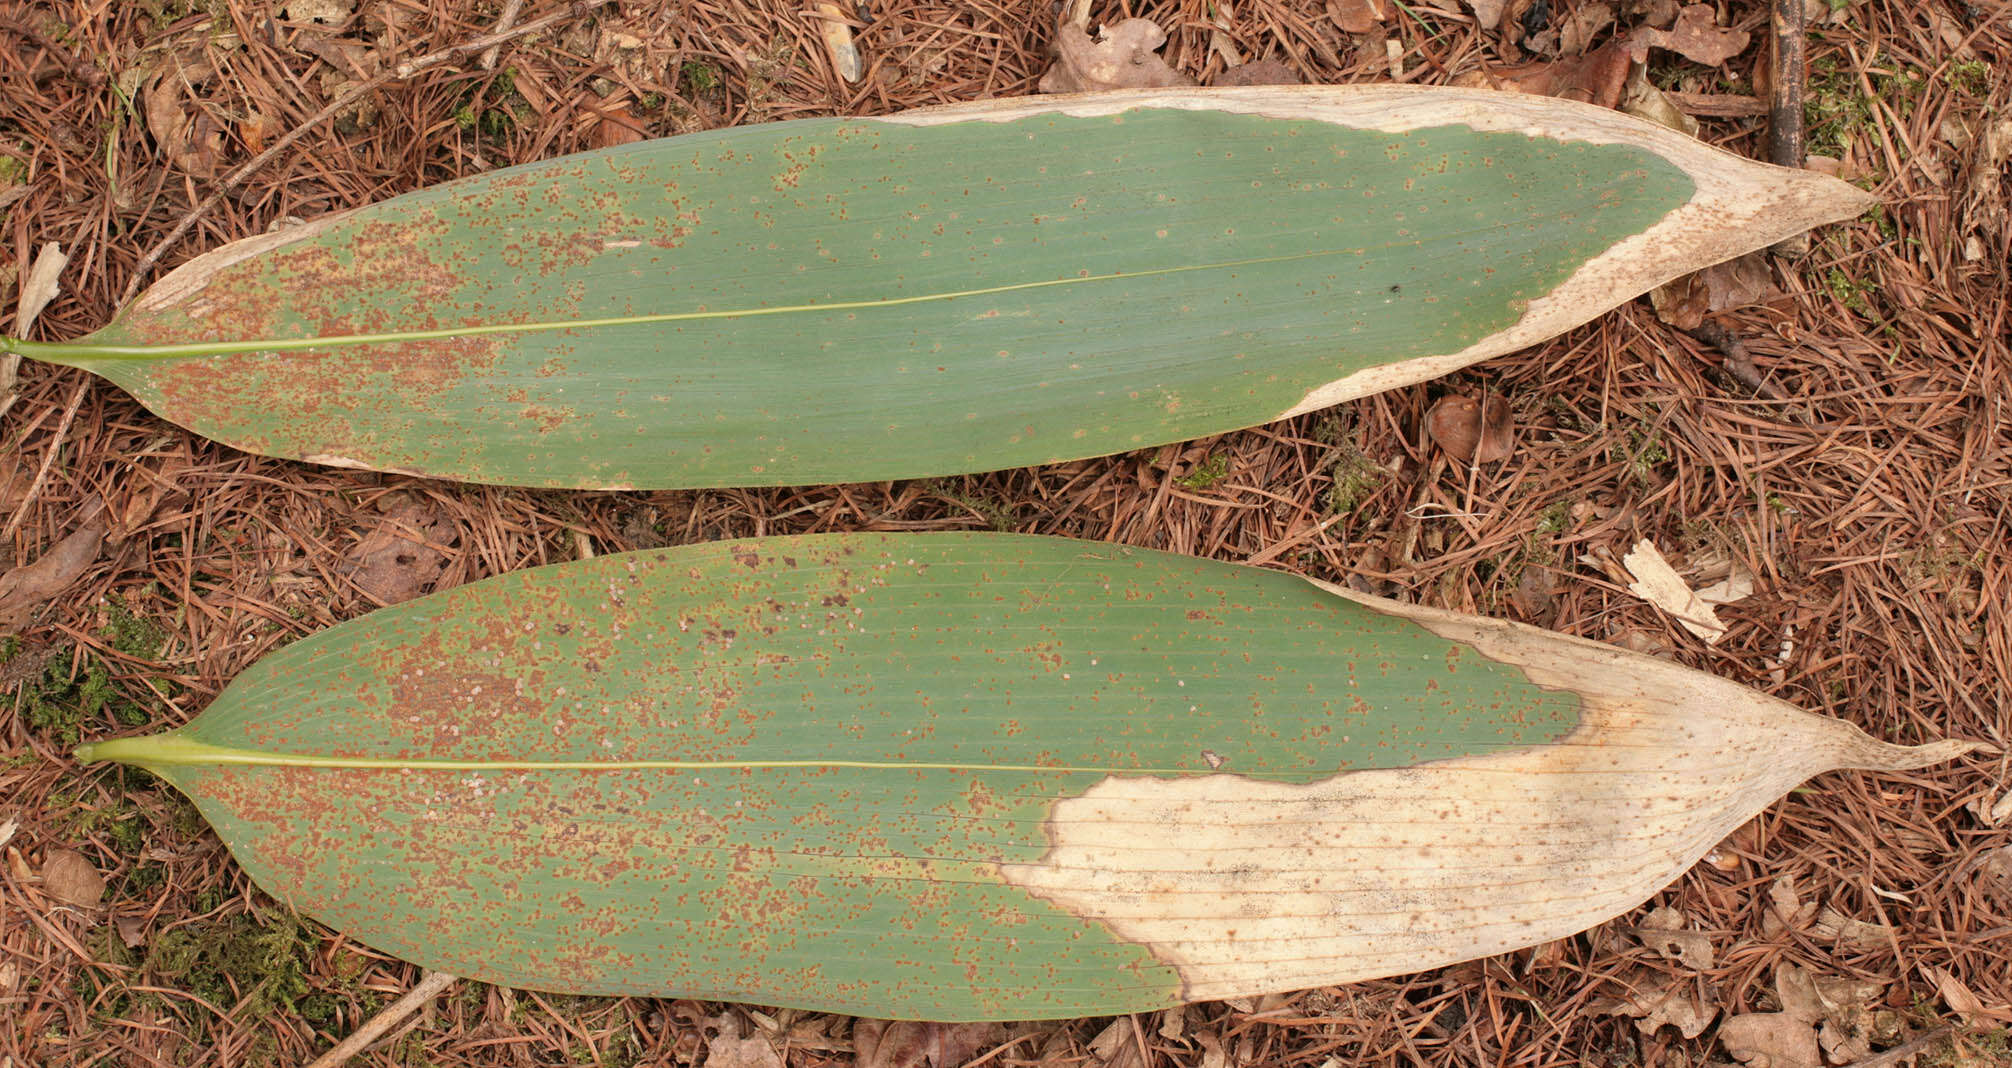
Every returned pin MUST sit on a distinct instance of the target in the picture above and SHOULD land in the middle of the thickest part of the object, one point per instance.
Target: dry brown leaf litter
(730, 1051)
(1124, 56)
(27, 587)
(1869, 502)
(1663, 930)
(69, 878)
(1696, 35)
(405, 551)
(1473, 430)
(1598, 77)
(1654, 1002)
(1736, 283)
(1358, 16)
(920, 1044)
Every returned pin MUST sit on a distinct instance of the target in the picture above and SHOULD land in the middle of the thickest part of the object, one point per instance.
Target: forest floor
(1859, 470)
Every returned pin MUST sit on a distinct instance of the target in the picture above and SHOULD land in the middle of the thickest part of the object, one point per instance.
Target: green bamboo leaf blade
(1012, 283)
(965, 777)
(856, 635)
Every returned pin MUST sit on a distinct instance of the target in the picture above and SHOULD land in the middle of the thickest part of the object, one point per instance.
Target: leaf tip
(1839, 199)
(1863, 752)
(1859, 200)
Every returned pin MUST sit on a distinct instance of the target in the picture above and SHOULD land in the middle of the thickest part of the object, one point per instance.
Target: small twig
(1905, 1050)
(1738, 362)
(1740, 365)
(503, 22)
(1785, 94)
(1718, 105)
(429, 986)
(398, 73)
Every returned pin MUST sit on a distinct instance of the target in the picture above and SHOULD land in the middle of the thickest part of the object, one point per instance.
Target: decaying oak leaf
(1840, 1009)
(1641, 98)
(967, 777)
(347, 62)
(1525, 25)
(1686, 302)
(24, 588)
(1661, 14)
(920, 1044)
(1988, 812)
(1697, 36)
(1533, 595)
(1786, 910)
(1581, 25)
(1656, 1001)
(1487, 13)
(1475, 431)
(404, 551)
(1571, 34)
(70, 877)
(1119, 1045)
(561, 324)
(1795, 989)
(729, 1050)
(1358, 16)
(1125, 56)
(1846, 932)
(173, 98)
(1596, 78)
(1818, 1016)
(254, 127)
(1662, 930)
(616, 125)
(1771, 1040)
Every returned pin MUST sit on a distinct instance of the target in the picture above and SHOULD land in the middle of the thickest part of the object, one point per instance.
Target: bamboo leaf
(967, 776)
(950, 290)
